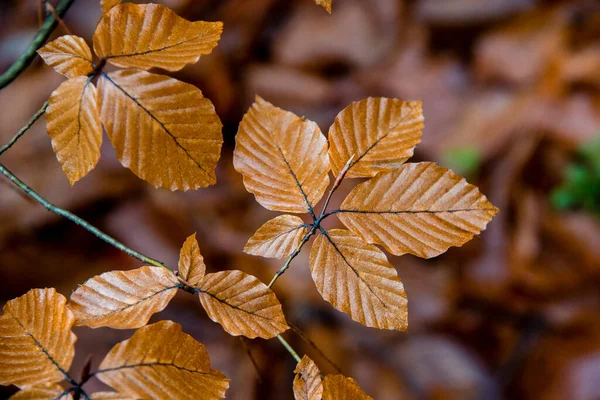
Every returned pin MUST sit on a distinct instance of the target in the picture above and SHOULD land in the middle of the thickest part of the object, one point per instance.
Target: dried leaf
(336, 387)
(43, 392)
(242, 304)
(164, 130)
(73, 124)
(68, 55)
(420, 208)
(357, 279)
(161, 362)
(36, 342)
(109, 396)
(191, 262)
(282, 158)
(123, 299)
(278, 238)
(326, 4)
(307, 383)
(380, 133)
(107, 5)
(147, 36)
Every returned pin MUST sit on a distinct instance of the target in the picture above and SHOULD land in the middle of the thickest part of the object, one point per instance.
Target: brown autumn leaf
(326, 4)
(164, 130)
(277, 238)
(242, 304)
(380, 133)
(419, 208)
(123, 299)
(161, 362)
(147, 36)
(307, 382)
(356, 278)
(68, 55)
(73, 124)
(36, 342)
(107, 5)
(336, 387)
(191, 262)
(282, 157)
(43, 392)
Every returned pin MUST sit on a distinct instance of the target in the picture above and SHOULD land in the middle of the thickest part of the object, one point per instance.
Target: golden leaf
(73, 124)
(43, 392)
(107, 5)
(36, 342)
(147, 36)
(68, 55)
(109, 396)
(161, 362)
(242, 304)
(191, 262)
(282, 158)
(123, 299)
(337, 387)
(164, 130)
(326, 4)
(278, 238)
(307, 383)
(380, 133)
(356, 278)
(420, 208)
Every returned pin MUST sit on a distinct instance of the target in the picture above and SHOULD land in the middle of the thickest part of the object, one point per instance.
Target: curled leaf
(307, 382)
(420, 208)
(161, 362)
(42, 392)
(356, 278)
(164, 130)
(242, 304)
(337, 387)
(36, 342)
(191, 262)
(73, 124)
(123, 299)
(68, 55)
(278, 238)
(147, 36)
(282, 157)
(380, 133)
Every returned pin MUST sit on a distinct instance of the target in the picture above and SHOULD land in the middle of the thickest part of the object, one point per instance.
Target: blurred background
(511, 92)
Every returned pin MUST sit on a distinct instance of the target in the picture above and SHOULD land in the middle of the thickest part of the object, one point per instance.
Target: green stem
(29, 54)
(24, 129)
(289, 348)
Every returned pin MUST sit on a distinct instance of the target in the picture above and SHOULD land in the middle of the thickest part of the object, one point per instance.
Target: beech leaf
(107, 5)
(336, 387)
(42, 392)
(380, 133)
(164, 130)
(161, 362)
(356, 278)
(123, 299)
(36, 342)
(278, 238)
(282, 158)
(191, 262)
(147, 36)
(242, 304)
(307, 382)
(68, 55)
(420, 208)
(73, 124)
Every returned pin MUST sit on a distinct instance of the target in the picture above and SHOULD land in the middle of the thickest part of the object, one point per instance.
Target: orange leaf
(68, 55)
(123, 299)
(326, 4)
(242, 304)
(282, 158)
(278, 238)
(380, 133)
(147, 36)
(307, 383)
(107, 5)
(164, 130)
(421, 209)
(336, 387)
(73, 123)
(191, 262)
(36, 342)
(357, 279)
(161, 362)
(43, 392)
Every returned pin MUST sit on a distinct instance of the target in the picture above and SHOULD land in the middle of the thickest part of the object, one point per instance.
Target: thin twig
(24, 129)
(292, 256)
(312, 344)
(251, 357)
(58, 18)
(336, 184)
(30, 53)
(289, 348)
